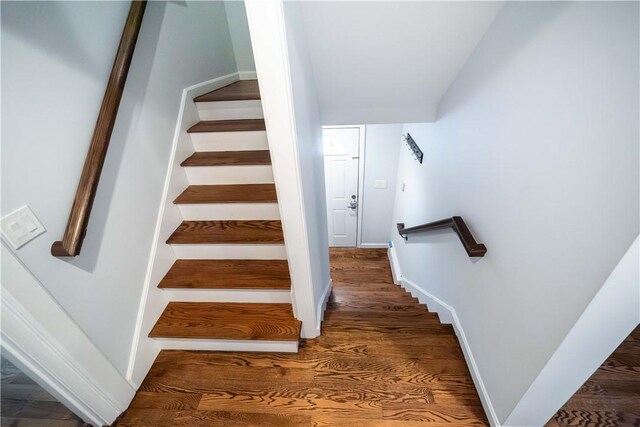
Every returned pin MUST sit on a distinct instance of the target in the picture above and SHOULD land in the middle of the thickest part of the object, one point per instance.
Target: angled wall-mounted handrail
(88, 185)
(473, 248)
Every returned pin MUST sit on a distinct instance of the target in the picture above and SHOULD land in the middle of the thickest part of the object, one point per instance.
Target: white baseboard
(395, 266)
(322, 306)
(247, 75)
(448, 315)
(45, 343)
(152, 302)
(374, 245)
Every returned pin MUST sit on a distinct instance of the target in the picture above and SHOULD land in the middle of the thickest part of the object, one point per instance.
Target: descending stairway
(230, 287)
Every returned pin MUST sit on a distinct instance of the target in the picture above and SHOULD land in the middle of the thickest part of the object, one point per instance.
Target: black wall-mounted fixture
(417, 152)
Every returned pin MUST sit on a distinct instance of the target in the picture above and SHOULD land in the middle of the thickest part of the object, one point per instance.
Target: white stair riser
(212, 175)
(230, 110)
(247, 251)
(227, 345)
(228, 295)
(229, 141)
(222, 211)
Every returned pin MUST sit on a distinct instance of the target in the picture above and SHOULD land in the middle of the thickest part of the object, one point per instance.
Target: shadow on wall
(492, 69)
(53, 36)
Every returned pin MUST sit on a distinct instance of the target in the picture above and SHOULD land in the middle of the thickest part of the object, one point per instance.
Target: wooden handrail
(473, 248)
(88, 185)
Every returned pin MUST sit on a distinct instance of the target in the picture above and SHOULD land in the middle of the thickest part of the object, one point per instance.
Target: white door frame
(361, 153)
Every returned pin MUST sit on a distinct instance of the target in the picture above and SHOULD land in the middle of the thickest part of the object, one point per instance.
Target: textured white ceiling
(389, 61)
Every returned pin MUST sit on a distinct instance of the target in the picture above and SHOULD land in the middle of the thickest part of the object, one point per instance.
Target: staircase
(230, 287)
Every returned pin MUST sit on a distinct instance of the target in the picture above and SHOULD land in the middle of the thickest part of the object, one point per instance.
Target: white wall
(293, 124)
(309, 135)
(56, 57)
(536, 146)
(382, 147)
(240, 38)
(607, 321)
(389, 61)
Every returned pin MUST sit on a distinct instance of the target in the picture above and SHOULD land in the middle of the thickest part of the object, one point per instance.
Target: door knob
(353, 204)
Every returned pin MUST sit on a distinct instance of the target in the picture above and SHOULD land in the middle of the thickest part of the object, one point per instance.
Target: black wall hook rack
(417, 152)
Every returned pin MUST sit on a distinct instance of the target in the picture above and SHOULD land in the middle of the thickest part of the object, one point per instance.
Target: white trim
(152, 302)
(322, 306)
(43, 341)
(374, 245)
(447, 314)
(395, 265)
(248, 75)
(361, 166)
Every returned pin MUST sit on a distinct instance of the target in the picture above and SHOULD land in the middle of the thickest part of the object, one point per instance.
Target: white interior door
(341, 147)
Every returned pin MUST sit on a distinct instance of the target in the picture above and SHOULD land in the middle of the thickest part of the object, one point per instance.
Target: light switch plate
(380, 183)
(21, 226)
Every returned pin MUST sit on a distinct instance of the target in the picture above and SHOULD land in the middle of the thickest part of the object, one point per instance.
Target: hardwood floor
(258, 231)
(238, 91)
(26, 404)
(228, 274)
(241, 125)
(233, 193)
(228, 158)
(382, 360)
(611, 397)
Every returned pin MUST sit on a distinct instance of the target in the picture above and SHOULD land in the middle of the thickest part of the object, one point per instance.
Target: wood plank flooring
(230, 193)
(611, 397)
(382, 360)
(228, 158)
(243, 90)
(228, 274)
(241, 125)
(231, 321)
(212, 232)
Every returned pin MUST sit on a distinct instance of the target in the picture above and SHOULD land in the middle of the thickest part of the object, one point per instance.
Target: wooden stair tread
(228, 158)
(237, 193)
(243, 90)
(212, 232)
(237, 321)
(228, 274)
(239, 125)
